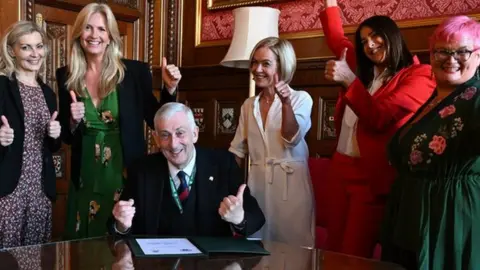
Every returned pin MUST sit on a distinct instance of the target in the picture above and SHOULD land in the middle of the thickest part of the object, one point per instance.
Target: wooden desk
(106, 253)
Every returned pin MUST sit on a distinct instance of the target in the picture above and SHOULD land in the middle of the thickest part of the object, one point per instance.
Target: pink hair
(455, 29)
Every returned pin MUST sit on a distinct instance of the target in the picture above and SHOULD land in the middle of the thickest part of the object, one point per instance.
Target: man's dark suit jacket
(217, 176)
(136, 103)
(11, 156)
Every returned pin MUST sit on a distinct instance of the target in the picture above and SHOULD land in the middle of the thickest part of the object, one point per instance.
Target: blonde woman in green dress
(104, 101)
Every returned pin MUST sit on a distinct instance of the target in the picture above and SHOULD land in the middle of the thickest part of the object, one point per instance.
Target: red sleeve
(335, 37)
(412, 89)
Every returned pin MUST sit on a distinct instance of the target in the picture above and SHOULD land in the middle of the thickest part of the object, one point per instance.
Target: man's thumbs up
(240, 192)
(77, 109)
(6, 132)
(231, 208)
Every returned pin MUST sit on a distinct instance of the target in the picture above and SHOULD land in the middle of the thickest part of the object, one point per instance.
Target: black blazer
(136, 103)
(11, 156)
(217, 176)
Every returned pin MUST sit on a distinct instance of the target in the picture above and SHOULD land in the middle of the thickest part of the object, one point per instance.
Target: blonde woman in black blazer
(104, 101)
(29, 134)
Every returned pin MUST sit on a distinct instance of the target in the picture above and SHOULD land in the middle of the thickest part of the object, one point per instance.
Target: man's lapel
(206, 185)
(158, 192)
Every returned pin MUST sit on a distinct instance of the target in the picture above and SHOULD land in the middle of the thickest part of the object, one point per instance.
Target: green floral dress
(101, 176)
(434, 207)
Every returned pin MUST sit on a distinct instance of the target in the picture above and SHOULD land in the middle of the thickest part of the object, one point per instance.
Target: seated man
(185, 190)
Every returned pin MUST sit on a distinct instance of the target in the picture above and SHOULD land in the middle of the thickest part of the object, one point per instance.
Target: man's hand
(231, 208)
(123, 212)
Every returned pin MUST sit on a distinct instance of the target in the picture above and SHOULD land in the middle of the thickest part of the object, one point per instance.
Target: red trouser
(353, 213)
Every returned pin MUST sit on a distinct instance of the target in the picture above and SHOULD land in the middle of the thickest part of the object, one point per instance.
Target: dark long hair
(397, 54)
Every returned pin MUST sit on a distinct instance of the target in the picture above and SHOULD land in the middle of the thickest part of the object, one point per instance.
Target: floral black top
(434, 207)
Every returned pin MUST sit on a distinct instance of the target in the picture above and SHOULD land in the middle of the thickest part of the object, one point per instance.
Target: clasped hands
(230, 210)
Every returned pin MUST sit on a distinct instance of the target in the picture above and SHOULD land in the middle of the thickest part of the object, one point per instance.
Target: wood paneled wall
(209, 88)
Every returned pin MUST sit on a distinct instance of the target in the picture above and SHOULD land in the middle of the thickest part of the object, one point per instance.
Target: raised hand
(339, 71)
(77, 109)
(6, 133)
(171, 76)
(283, 90)
(123, 212)
(53, 127)
(231, 208)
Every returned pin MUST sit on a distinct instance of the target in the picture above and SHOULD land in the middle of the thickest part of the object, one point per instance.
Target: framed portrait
(220, 4)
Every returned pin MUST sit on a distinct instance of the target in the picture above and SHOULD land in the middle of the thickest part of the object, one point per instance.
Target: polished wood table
(108, 253)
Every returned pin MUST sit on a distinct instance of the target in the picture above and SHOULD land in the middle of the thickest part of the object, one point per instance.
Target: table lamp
(252, 24)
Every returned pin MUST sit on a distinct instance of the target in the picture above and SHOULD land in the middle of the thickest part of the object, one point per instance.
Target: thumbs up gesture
(282, 89)
(171, 76)
(6, 133)
(53, 127)
(339, 71)
(77, 109)
(231, 208)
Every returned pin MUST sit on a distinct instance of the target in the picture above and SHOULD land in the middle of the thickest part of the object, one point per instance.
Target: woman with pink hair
(433, 216)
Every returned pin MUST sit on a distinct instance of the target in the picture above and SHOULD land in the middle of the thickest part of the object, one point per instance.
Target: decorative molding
(172, 31)
(150, 20)
(221, 4)
(57, 44)
(59, 164)
(29, 9)
(127, 3)
(326, 124)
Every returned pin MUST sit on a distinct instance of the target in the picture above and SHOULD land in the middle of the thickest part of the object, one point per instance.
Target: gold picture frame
(221, 4)
(217, 4)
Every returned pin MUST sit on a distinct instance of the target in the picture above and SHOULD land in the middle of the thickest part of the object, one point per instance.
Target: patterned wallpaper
(303, 15)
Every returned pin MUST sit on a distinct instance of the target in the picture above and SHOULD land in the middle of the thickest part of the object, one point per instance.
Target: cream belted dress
(279, 177)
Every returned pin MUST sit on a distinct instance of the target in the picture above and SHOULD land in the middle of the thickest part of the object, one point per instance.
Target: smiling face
(29, 52)
(374, 45)
(95, 38)
(264, 66)
(176, 138)
(455, 62)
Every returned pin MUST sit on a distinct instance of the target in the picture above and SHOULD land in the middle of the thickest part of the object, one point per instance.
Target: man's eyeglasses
(461, 55)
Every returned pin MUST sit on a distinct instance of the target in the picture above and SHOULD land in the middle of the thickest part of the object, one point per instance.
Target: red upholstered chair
(318, 173)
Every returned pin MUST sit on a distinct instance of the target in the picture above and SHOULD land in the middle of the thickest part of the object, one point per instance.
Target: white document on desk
(167, 246)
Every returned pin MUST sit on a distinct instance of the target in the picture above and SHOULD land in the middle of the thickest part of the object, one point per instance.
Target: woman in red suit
(389, 86)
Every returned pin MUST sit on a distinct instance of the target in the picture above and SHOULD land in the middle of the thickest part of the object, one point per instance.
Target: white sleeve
(302, 108)
(239, 145)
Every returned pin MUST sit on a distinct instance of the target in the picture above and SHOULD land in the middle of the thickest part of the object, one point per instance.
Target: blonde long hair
(11, 37)
(113, 70)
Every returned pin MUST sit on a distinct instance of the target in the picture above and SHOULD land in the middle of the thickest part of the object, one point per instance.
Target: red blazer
(380, 114)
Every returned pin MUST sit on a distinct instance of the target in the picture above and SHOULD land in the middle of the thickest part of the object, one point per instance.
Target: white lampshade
(252, 24)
